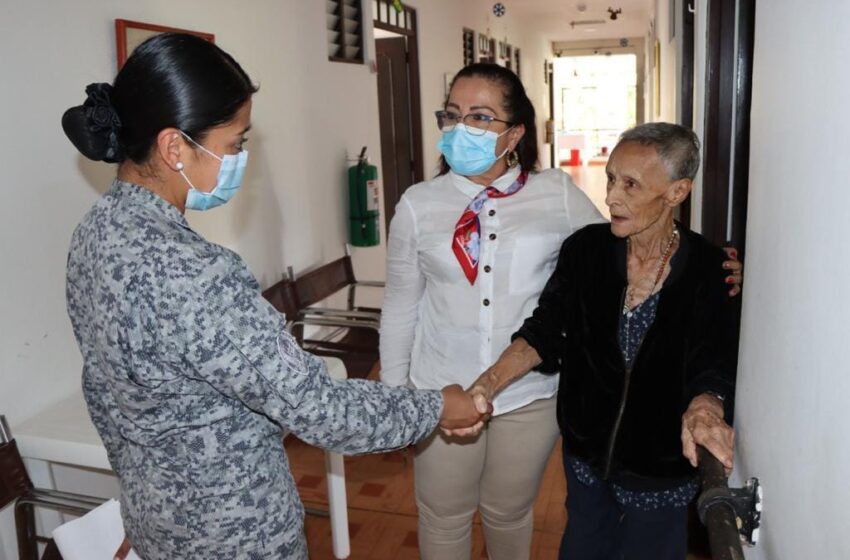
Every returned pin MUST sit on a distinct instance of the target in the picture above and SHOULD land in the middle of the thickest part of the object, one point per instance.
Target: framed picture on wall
(483, 45)
(131, 34)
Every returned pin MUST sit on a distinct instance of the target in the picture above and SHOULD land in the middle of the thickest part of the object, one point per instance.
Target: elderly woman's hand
(703, 424)
(517, 360)
(736, 271)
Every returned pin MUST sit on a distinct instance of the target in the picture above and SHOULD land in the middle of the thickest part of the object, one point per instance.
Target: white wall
(309, 115)
(794, 378)
(669, 62)
(535, 50)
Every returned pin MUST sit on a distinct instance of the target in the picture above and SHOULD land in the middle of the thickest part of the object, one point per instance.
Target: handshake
(464, 412)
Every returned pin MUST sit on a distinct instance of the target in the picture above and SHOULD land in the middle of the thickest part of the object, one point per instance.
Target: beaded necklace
(665, 256)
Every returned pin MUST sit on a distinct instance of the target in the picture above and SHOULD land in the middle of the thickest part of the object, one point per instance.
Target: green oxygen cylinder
(363, 202)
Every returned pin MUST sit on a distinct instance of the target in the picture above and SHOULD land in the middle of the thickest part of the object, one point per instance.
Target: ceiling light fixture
(614, 13)
(575, 24)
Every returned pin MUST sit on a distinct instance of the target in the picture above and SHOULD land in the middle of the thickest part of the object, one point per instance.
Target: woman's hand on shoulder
(736, 271)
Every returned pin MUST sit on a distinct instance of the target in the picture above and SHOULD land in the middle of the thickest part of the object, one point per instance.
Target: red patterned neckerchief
(466, 243)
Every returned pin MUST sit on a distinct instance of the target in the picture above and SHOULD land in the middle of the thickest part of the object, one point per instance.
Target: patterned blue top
(634, 325)
(189, 376)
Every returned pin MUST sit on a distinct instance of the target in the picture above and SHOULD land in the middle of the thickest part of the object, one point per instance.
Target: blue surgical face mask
(467, 153)
(229, 180)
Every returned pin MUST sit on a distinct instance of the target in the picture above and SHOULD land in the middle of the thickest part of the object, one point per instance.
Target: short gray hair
(677, 146)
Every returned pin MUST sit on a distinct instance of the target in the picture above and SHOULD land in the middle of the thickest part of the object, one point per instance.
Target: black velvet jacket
(627, 424)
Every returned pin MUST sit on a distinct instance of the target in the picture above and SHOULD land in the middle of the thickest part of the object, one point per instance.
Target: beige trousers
(498, 473)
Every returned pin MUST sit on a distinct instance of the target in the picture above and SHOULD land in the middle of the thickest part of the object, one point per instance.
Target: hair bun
(94, 126)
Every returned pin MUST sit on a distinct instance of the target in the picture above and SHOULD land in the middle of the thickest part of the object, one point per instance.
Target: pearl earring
(179, 166)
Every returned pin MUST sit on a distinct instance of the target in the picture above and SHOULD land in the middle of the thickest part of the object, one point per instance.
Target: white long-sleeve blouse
(436, 328)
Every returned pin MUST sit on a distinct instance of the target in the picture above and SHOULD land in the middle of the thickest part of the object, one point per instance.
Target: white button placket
(489, 219)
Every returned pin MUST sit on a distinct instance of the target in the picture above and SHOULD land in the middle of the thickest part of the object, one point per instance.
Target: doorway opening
(397, 59)
(595, 100)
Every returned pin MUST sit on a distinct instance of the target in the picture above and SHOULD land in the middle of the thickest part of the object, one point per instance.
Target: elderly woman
(637, 321)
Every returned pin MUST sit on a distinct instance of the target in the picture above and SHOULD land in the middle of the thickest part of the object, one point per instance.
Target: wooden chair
(349, 334)
(16, 486)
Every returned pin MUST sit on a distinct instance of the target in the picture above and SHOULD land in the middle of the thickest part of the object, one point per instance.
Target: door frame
(726, 142)
(549, 70)
(409, 30)
(686, 98)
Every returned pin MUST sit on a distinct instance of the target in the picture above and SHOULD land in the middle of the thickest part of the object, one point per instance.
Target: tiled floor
(382, 509)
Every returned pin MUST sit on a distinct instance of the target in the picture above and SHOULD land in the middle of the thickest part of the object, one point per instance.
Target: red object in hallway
(575, 157)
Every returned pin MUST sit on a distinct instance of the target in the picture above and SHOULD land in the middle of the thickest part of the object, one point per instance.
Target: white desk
(65, 435)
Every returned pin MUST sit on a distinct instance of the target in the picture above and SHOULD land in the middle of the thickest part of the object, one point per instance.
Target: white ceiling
(553, 18)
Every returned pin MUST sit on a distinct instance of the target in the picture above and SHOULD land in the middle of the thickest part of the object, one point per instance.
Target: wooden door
(394, 100)
(728, 91)
(686, 100)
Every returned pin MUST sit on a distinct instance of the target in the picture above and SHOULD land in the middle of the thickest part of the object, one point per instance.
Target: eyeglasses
(476, 123)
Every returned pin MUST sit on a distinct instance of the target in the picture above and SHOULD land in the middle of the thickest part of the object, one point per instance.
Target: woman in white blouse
(457, 288)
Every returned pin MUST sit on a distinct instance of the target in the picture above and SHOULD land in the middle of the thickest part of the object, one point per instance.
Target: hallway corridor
(591, 179)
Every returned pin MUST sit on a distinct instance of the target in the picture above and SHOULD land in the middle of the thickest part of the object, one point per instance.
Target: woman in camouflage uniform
(188, 372)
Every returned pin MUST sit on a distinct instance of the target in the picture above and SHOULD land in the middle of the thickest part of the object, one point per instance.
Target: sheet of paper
(94, 536)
